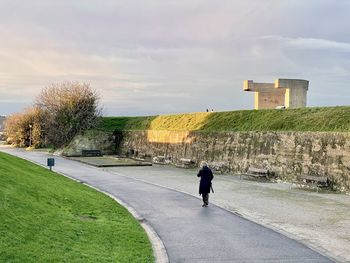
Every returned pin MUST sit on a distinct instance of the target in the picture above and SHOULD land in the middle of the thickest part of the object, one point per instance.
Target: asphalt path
(189, 232)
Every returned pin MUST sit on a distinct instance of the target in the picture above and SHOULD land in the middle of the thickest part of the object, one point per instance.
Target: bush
(70, 108)
(24, 129)
(61, 111)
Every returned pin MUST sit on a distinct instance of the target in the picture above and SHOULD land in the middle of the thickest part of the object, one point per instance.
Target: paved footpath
(189, 232)
(319, 220)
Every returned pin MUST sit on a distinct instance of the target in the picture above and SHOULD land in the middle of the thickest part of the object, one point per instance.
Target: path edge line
(159, 251)
(292, 236)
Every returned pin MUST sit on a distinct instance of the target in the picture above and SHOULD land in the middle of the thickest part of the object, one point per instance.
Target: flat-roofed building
(288, 93)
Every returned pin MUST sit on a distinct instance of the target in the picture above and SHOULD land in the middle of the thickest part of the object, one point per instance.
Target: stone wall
(288, 154)
(91, 140)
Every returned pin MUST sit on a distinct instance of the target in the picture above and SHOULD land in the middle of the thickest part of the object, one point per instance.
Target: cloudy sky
(165, 56)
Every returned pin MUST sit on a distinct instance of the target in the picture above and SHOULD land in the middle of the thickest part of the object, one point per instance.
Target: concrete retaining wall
(289, 154)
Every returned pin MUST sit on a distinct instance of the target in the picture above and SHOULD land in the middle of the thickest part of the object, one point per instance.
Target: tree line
(59, 112)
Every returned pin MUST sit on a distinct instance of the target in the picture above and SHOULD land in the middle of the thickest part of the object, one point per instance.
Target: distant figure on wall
(206, 176)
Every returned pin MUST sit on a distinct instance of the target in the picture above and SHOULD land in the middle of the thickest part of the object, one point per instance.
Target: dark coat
(206, 176)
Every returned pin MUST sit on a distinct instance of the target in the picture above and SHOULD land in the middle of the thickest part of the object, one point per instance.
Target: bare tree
(24, 129)
(69, 109)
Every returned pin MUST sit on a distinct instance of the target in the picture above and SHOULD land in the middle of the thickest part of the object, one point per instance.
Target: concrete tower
(290, 93)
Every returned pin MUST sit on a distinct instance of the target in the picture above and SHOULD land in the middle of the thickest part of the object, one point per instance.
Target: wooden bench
(217, 167)
(158, 159)
(186, 163)
(91, 153)
(315, 181)
(256, 173)
(161, 160)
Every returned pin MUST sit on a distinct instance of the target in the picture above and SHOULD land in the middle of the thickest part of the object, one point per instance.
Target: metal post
(30, 135)
(50, 162)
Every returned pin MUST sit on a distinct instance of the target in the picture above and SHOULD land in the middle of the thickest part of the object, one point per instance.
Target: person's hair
(204, 164)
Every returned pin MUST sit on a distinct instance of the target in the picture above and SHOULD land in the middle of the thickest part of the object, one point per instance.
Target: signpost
(50, 162)
(30, 134)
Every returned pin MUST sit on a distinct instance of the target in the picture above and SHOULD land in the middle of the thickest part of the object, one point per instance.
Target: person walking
(206, 176)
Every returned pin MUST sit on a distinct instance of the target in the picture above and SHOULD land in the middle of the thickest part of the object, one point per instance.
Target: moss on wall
(91, 140)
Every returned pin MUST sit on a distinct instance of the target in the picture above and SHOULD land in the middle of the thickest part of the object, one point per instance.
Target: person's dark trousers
(205, 198)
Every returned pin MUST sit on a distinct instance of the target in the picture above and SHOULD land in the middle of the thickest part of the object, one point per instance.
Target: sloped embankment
(318, 119)
(46, 217)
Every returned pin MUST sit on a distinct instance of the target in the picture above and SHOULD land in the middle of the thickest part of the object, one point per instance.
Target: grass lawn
(336, 119)
(45, 217)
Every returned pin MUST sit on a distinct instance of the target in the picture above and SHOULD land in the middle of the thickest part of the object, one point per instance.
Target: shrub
(60, 112)
(69, 109)
(25, 129)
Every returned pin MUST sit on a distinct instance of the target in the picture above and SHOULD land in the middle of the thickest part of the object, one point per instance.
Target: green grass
(335, 119)
(45, 217)
(125, 123)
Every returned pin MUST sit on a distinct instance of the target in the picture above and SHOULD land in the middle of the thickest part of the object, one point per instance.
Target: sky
(147, 57)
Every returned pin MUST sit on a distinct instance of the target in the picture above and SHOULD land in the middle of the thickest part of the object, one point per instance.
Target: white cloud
(172, 56)
(309, 43)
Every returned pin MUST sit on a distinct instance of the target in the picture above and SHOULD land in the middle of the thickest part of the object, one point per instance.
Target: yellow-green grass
(45, 217)
(335, 119)
(125, 123)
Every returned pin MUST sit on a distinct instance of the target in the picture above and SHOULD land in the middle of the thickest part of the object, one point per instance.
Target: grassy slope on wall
(335, 119)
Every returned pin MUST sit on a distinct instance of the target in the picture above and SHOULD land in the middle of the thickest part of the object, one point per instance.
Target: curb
(317, 249)
(159, 251)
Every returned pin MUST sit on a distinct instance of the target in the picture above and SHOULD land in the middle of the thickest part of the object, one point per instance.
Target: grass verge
(46, 217)
(336, 119)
